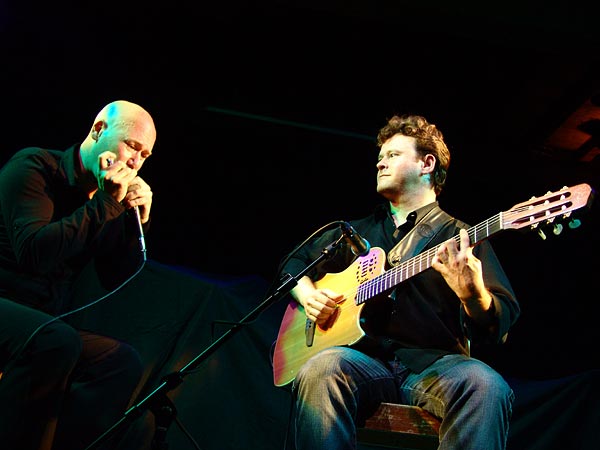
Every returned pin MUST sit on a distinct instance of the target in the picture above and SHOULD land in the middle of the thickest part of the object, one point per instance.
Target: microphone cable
(304, 242)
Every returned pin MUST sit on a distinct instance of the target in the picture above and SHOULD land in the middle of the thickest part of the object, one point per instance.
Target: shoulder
(35, 154)
(28, 164)
(378, 215)
(451, 222)
(441, 224)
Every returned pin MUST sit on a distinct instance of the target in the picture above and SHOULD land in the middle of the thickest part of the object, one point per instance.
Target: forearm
(303, 290)
(41, 246)
(480, 308)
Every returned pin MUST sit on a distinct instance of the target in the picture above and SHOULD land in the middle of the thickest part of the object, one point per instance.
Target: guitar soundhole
(365, 270)
(332, 319)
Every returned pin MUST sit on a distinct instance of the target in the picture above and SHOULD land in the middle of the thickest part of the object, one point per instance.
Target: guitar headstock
(548, 208)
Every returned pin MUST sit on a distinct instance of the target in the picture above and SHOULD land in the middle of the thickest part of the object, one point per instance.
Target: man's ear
(97, 130)
(428, 163)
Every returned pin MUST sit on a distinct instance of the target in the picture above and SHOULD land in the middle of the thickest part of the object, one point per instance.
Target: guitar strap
(419, 236)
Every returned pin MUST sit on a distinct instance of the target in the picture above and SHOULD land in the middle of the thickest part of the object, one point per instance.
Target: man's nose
(134, 162)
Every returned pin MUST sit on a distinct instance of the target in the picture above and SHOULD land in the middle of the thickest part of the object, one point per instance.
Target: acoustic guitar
(366, 278)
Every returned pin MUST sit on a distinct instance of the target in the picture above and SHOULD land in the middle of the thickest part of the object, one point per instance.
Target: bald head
(124, 129)
(122, 114)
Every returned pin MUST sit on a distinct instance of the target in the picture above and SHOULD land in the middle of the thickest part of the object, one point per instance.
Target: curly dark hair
(429, 140)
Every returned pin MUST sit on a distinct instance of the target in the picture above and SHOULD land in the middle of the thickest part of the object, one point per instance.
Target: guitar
(366, 278)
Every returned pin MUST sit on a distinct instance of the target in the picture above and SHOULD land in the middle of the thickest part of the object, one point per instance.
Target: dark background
(267, 113)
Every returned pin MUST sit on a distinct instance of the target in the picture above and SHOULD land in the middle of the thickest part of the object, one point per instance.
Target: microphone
(359, 245)
(136, 212)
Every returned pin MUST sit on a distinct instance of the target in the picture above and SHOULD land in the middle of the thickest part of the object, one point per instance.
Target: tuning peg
(575, 223)
(542, 234)
(557, 229)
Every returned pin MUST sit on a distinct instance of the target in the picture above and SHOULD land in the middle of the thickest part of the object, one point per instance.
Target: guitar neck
(422, 261)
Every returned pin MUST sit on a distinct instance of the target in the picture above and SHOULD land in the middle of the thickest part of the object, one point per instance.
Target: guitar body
(343, 328)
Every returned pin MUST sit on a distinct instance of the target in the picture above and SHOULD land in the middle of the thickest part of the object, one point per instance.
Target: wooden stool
(400, 427)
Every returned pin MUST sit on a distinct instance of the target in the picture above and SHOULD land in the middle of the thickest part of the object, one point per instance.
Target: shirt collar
(70, 165)
(415, 215)
(418, 214)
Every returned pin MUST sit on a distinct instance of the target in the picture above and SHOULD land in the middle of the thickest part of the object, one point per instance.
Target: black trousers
(68, 386)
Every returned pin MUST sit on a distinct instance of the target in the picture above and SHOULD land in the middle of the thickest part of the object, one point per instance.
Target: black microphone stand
(160, 404)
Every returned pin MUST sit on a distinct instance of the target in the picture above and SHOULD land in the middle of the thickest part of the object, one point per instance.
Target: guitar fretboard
(417, 264)
(530, 213)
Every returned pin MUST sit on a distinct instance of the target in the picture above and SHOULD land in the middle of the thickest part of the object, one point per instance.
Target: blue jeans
(337, 389)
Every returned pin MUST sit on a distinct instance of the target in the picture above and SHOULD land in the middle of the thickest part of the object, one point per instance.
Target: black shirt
(421, 318)
(50, 229)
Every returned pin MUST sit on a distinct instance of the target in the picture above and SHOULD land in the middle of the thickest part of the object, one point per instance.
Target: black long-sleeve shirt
(50, 230)
(422, 318)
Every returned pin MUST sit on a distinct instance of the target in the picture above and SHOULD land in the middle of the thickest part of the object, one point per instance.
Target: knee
(58, 344)
(491, 384)
(128, 360)
(321, 366)
(327, 371)
(499, 387)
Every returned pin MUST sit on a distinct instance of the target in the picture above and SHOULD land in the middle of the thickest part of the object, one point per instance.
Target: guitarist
(421, 353)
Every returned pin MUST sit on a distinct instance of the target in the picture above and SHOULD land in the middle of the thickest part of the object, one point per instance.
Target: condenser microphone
(359, 245)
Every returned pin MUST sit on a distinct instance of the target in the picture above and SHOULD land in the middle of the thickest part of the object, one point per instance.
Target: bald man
(59, 211)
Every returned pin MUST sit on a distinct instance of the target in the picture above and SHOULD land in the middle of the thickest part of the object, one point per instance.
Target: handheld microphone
(359, 245)
(136, 212)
